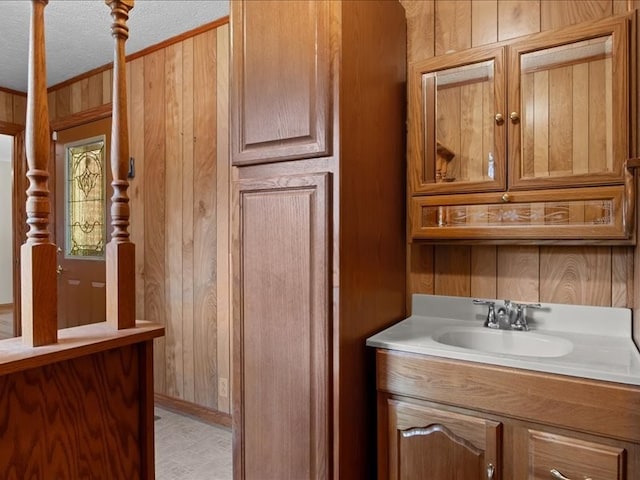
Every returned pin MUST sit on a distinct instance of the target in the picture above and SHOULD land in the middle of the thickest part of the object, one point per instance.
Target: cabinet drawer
(572, 458)
(570, 214)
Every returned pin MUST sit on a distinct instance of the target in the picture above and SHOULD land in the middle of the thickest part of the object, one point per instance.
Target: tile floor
(188, 449)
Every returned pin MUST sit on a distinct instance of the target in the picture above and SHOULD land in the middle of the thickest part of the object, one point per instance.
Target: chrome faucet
(512, 316)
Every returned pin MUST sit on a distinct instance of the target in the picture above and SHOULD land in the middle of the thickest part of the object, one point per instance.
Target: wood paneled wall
(178, 111)
(579, 275)
(13, 107)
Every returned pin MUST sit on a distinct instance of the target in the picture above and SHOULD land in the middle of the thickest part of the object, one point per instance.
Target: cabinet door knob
(499, 118)
(490, 471)
(514, 117)
(555, 474)
(505, 197)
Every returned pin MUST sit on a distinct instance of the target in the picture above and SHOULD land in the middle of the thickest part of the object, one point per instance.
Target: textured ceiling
(78, 33)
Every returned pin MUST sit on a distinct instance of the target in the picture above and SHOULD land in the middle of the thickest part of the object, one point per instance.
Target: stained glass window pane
(85, 212)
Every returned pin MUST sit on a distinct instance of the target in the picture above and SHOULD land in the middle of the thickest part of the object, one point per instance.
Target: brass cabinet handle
(59, 269)
(499, 118)
(514, 117)
(558, 476)
(505, 197)
(490, 471)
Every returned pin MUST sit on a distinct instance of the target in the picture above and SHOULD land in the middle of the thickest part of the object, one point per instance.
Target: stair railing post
(38, 255)
(120, 252)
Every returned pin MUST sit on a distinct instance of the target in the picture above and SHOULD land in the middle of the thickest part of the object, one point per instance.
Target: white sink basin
(509, 342)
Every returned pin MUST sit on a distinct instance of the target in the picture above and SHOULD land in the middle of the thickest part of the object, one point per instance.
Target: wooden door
(282, 329)
(281, 85)
(431, 444)
(558, 457)
(82, 198)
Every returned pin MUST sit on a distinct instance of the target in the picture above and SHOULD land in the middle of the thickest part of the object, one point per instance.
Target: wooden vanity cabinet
(532, 135)
(435, 443)
(501, 423)
(556, 456)
(318, 98)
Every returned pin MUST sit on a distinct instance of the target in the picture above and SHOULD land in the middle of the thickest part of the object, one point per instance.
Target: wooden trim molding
(158, 46)
(13, 92)
(8, 128)
(80, 118)
(212, 417)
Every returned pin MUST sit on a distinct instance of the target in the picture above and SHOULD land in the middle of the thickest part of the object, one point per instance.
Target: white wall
(6, 252)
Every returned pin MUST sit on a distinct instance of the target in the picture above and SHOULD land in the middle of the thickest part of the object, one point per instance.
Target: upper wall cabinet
(281, 89)
(525, 140)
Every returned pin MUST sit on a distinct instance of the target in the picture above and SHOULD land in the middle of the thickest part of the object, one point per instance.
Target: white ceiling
(78, 33)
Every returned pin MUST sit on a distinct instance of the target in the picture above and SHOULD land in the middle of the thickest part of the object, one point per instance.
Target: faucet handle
(520, 322)
(491, 321)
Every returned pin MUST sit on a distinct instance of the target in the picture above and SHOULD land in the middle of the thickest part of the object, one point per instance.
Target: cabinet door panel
(282, 329)
(573, 458)
(431, 443)
(280, 90)
(568, 104)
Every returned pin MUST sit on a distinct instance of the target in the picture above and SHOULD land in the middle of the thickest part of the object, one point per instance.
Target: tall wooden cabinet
(317, 132)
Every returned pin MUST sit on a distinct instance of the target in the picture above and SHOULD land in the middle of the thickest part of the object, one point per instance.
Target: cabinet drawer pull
(490, 471)
(555, 474)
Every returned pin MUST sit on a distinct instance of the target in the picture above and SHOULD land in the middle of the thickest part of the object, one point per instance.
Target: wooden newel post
(120, 265)
(38, 255)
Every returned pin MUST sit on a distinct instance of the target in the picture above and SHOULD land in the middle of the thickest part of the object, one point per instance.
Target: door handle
(556, 475)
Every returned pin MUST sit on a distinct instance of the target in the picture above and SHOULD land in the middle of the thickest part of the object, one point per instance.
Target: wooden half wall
(579, 275)
(178, 111)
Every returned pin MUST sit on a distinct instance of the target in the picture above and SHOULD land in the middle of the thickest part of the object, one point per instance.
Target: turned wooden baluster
(38, 254)
(120, 250)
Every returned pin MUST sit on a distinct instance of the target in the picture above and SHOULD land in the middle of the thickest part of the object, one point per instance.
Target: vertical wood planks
(188, 173)
(483, 271)
(559, 14)
(174, 374)
(154, 197)
(484, 22)
(223, 228)
(136, 143)
(452, 270)
(420, 29)
(517, 18)
(518, 273)
(452, 26)
(204, 238)
(579, 275)
(13, 107)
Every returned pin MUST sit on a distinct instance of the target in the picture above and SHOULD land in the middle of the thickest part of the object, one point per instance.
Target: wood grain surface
(74, 419)
(179, 206)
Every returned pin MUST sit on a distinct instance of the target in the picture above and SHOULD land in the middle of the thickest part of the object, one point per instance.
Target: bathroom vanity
(459, 400)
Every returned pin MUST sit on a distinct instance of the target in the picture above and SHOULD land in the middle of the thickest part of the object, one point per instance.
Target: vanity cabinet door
(429, 443)
(553, 456)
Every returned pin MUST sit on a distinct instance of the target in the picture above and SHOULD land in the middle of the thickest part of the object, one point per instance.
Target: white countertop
(602, 346)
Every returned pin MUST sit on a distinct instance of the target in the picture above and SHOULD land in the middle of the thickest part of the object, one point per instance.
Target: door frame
(19, 196)
(14, 129)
